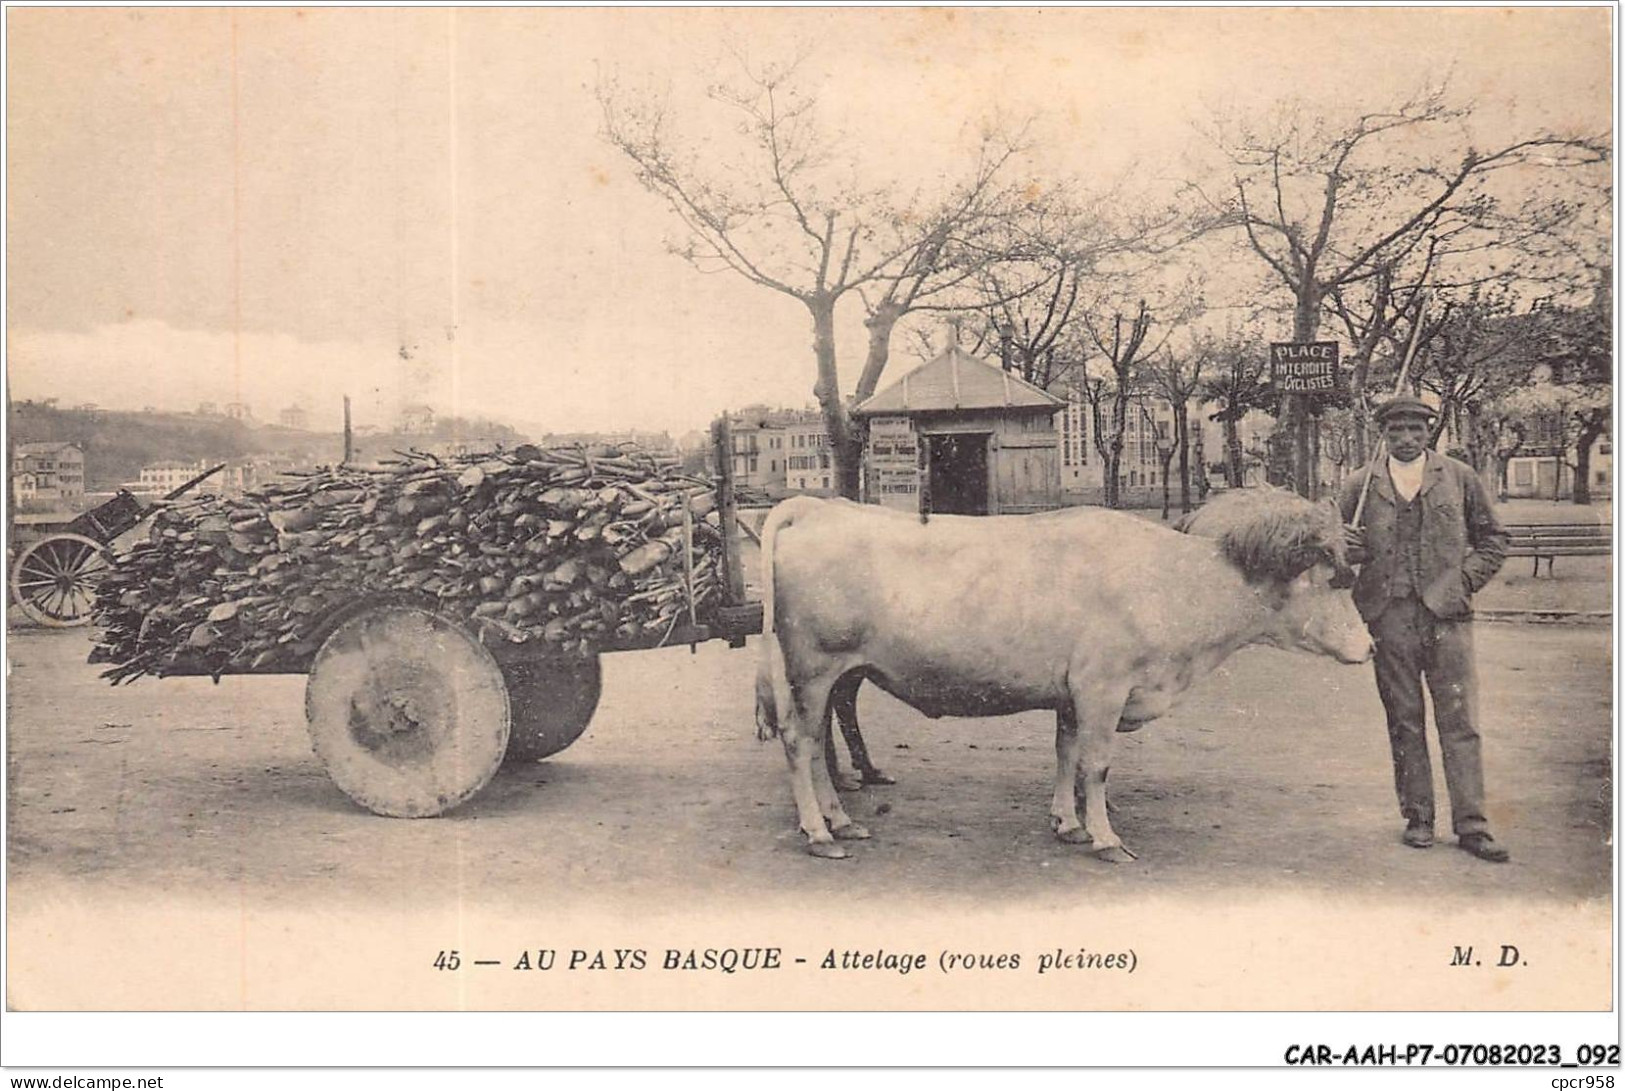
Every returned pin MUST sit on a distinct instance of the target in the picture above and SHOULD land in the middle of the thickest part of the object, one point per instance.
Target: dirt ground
(1272, 777)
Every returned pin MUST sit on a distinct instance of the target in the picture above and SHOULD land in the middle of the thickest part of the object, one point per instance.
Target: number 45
(447, 960)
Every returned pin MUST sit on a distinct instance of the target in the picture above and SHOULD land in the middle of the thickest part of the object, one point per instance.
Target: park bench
(1552, 540)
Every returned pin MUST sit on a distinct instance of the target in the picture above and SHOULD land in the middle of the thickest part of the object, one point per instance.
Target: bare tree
(1066, 249)
(1121, 343)
(973, 232)
(784, 218)
(1238, 386)
(1032, 329)
(1577, 382)
(1339, 432)
(1477, 351)
(1179, 380)
(1165, 448)
(1326, 208)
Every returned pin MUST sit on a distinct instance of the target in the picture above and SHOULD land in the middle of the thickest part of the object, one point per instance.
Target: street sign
(1303, 367)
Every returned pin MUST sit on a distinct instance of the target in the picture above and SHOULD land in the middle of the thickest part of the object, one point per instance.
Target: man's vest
(1407, 578)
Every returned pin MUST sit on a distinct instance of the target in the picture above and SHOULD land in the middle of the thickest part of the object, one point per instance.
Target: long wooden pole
(1399, 387)
(349, 438)
(728, 512)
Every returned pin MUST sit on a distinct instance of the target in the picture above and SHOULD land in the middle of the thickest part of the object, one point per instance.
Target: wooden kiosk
(962, 436)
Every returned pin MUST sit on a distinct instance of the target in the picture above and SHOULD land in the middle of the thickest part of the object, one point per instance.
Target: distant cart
(412, 713)
(54, 577)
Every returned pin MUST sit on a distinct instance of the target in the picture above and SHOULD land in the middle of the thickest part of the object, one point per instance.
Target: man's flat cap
(1405, 406)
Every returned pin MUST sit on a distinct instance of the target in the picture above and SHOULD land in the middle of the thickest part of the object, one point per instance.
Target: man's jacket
(1462, 544)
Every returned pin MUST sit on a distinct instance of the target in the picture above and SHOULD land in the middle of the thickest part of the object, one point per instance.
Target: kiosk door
(959, 473)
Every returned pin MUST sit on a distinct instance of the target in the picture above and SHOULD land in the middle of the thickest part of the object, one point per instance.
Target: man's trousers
(1412, 644)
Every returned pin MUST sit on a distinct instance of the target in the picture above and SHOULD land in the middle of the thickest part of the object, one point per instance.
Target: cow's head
(1318, 615)
(1296, 548)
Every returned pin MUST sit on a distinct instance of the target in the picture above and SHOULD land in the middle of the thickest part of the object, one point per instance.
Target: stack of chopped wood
(575, 549)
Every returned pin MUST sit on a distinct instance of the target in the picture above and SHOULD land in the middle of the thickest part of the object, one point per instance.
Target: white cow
(1101, 616)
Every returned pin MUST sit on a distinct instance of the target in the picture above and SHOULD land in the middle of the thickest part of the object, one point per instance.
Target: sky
(284, 206)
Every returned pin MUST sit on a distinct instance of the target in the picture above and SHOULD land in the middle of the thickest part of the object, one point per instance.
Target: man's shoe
(1418, 836)
(1483, 846)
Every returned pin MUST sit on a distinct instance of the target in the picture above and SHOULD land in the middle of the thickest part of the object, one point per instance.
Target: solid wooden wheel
(552, 701)
(407, 710)
(55, 579)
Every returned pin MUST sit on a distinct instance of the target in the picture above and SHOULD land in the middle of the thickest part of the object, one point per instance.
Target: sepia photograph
(815, 510)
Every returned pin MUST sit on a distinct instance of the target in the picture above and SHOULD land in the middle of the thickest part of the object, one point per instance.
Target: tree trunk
(1314, 458)
(1591, 426)
(1232, 452)
(880, 324)
(1201, 468)
(1119, 426)
(1165, 460)
(844, 444)
(1360, 436)
(1182, 434)
(1481, 447)
(1295, 414)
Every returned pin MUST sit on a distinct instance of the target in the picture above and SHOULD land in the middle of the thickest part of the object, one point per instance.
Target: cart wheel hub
(389, 726)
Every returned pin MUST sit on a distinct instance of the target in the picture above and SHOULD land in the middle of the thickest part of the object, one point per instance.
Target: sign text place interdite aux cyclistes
(1303, 367)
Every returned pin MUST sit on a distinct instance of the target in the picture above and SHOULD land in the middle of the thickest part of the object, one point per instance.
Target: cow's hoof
(1115, 854)
(1075, 836)
(875, 776)
(846, 782)
(850, 832)
(827, 850)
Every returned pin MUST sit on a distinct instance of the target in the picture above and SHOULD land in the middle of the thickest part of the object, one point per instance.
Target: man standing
(1430, 540)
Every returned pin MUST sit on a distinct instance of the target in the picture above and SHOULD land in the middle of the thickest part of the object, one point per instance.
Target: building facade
(780, 451)
(1544, 467)
(417, 420)
(1148, 430)
(809, 459)
(48, 471)
(238, 476)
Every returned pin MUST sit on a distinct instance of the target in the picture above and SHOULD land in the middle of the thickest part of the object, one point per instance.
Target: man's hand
(1354, 541)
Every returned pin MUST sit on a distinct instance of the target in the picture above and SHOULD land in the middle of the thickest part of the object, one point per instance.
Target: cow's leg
(845, 700)
(1097, 731)
(847, 780)
(802, 727)
(1063, 808)
(841, 826)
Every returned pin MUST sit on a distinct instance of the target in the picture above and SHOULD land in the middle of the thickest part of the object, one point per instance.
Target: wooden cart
(412, 713)
(54, 577)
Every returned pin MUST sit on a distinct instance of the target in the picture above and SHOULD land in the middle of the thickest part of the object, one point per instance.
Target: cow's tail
(772, 678)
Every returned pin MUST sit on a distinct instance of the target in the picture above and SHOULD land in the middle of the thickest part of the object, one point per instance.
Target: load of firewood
(572, 549)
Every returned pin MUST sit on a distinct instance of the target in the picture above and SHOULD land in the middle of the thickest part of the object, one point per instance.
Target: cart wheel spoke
(80, 599)
(47, 556)
(34, 572)
(66, 554)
